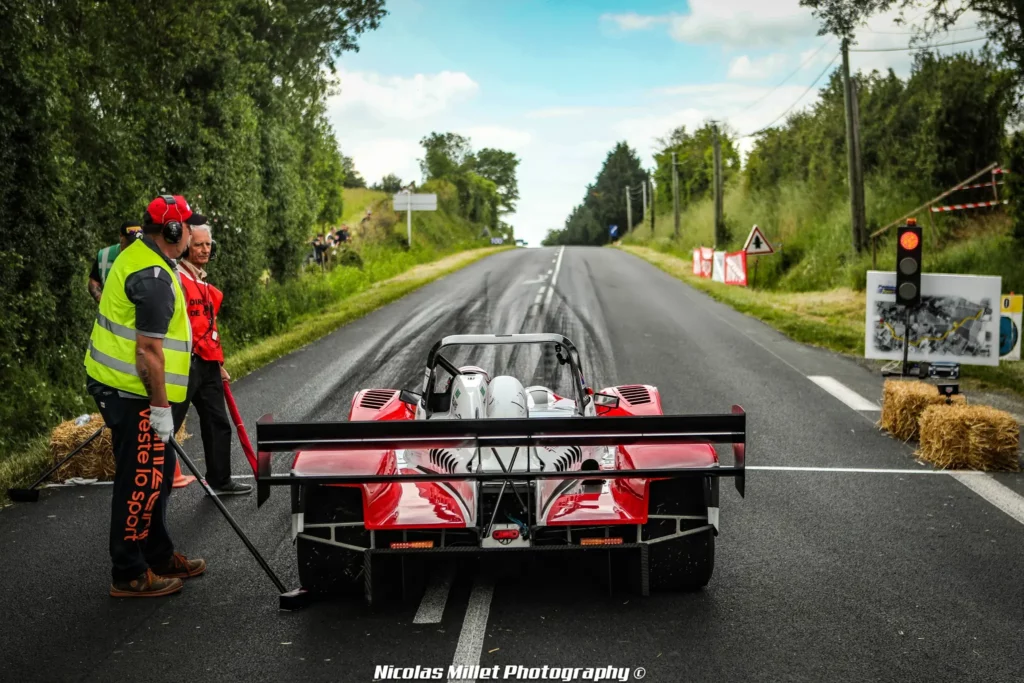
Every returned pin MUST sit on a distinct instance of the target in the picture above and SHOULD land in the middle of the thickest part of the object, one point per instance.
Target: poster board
(1010, 309)
(957, 322)
(718, 267)
(736, 268)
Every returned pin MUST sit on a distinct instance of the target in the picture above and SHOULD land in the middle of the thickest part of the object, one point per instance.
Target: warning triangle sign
(757, 244)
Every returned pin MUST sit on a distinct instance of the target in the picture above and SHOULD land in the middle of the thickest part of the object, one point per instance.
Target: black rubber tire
(688, 562)
(324, 569)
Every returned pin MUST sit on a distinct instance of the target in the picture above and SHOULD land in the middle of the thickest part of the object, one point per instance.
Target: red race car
(486, 464)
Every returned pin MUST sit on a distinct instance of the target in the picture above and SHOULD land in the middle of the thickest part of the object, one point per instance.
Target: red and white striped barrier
(972, 205)
(736, 268)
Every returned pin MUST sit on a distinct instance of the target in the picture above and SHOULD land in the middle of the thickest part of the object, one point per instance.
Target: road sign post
(756, 245)
(409, 202)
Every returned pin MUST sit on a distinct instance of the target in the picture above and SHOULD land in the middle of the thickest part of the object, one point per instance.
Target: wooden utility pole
(629, 212)
(651, 181)
(858, 231)
(719, 232)
(675, 192)
(643, 190)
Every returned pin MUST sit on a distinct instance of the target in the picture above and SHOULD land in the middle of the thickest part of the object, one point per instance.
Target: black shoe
(232, 488)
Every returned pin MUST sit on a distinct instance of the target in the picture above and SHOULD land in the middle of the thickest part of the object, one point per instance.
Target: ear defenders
(172, 231)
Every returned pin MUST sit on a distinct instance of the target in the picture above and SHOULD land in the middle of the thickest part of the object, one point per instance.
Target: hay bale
(95, 461)
(903, 402)
(970, 437)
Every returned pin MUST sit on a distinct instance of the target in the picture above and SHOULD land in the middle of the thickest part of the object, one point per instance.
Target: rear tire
(328, 570)
(688, 562)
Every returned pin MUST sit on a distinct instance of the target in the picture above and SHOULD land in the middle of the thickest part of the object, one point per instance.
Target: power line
(802, 95)
(923, 47)
(783, 81)
(914, 33)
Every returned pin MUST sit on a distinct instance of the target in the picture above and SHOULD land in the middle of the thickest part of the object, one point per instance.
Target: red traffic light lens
(909, 240)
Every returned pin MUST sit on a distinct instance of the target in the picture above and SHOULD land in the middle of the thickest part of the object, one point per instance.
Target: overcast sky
(559, 83)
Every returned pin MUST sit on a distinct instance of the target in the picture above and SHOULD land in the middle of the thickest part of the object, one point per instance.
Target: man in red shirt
(207, 374)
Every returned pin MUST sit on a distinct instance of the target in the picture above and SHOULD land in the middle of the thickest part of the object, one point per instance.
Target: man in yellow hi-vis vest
(137, 365)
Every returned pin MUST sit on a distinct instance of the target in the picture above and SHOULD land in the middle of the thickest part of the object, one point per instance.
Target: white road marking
(843, 393)
(558, 266)
(540, 295)
(859, 470)
(474, 626)
(1004, 498)
(547, 299)
(434, 599)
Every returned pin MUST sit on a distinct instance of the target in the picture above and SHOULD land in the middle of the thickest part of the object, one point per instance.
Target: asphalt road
(821, 573)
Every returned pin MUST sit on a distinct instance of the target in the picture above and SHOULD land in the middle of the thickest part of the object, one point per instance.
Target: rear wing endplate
(274, 437)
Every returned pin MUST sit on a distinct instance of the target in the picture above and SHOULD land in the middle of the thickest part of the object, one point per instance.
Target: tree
(604, 203)
(499, 167)
(446, 155)
(389, 183)
(352, 177)
(1002, 20)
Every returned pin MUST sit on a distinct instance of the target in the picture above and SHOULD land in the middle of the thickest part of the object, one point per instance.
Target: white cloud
(376, 157)
(509, 139)
(631, 21)
(744, 23)
(746, 69)
(370, 95)
(732, 23)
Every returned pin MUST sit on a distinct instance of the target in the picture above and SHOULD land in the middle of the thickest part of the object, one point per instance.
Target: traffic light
(908, 264)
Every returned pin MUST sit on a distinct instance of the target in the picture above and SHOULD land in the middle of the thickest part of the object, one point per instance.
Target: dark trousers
(206, 393)
(142, 486)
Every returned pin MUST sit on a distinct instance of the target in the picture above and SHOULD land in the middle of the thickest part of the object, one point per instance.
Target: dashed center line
(436, 596)
(474, 627)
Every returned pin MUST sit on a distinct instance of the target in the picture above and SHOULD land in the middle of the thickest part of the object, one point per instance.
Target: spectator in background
(104, 261)
(207, 375)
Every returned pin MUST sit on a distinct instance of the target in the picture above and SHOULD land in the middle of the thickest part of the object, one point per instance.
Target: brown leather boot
(147, 585)
(180, 567)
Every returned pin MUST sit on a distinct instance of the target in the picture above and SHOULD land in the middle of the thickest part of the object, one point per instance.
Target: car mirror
(608, 401)
(409, 397)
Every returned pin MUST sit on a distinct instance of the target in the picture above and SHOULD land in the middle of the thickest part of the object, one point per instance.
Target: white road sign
(757, 244)
(415, 202)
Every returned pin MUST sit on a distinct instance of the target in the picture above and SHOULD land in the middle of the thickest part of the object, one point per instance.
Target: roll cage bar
(572, 358)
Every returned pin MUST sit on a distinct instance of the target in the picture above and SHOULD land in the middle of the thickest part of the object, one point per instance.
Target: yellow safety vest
(110, 358)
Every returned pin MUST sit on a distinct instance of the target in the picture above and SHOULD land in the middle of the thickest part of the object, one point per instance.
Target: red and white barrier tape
(960, 207)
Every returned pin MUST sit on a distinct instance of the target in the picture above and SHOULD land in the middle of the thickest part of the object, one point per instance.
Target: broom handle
(227, 515)
(68, 457)
(243, 437)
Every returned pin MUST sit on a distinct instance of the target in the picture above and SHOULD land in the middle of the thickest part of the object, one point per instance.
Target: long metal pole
(227, 515)
(675, 192)
(408, 216)
(906, 341)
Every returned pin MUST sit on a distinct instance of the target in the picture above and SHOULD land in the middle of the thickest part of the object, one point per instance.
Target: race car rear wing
(524, 432)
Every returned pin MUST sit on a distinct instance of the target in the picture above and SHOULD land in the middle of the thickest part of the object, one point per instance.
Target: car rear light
(600, 541)
(502, 534)
(412, 545)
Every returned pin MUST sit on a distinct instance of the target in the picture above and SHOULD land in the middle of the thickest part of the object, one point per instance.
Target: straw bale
(903, 402)
(970, 437)
(95, 461)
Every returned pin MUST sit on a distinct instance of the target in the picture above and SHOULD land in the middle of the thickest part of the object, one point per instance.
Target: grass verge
(832, 319)
(28, 463)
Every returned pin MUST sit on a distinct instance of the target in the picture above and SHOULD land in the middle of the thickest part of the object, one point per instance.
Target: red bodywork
(431, 506)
